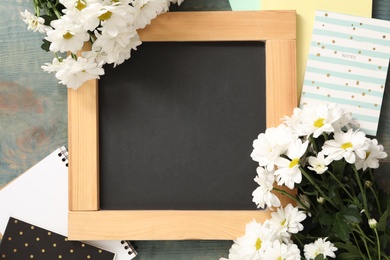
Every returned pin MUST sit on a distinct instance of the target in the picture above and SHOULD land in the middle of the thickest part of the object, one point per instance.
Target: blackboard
(177, 122)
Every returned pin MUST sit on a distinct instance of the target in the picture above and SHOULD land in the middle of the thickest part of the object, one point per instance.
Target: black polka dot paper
(24, 241)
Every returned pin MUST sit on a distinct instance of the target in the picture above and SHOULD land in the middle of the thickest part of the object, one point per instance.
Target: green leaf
(382, 223)
(45, 45)
(349, 256)
(326, 219)
(351, 215)
(320, 257)
(341, 228)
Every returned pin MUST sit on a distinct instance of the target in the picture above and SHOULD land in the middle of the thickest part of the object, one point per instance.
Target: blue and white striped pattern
(347, 64)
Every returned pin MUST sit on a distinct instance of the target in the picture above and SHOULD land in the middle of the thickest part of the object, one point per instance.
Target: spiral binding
(127, 246)
(64, 154)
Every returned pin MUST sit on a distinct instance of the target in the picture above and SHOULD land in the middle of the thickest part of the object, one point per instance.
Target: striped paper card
(347, 64)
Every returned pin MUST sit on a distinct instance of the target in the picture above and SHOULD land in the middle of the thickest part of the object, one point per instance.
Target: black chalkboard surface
(177, 121)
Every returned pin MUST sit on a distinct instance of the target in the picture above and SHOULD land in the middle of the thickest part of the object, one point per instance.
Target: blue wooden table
(33, 115)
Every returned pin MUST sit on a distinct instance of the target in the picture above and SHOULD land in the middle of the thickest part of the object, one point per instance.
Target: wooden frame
(86, 221)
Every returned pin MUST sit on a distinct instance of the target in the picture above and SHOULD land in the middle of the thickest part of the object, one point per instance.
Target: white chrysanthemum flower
(374, 153)
(288, 171)
(66, 35)
(75, 72)
(116, 17)
(319, 247)
(288, 220)
(147, 10)
(282, 251)
(35, 23)
(178, 2)
(318, 164)
(349, 145)
(316, 119)
(262, 195)
(270, 145)
(86, 12)
(115, 50)
(252, 245)
(55, 66)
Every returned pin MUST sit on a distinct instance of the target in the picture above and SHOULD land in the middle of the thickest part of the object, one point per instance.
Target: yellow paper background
(305, 17)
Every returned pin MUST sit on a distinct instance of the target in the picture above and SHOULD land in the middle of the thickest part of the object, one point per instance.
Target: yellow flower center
(293, 162)
(67, 35)
(280, 258)
(80, 5)
(283, 222)
(345, 146)
(105, 16)
(258, 244)
(367, 154)
(319, 122)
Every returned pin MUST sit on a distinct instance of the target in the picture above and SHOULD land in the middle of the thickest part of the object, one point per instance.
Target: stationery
(347, 64)
(40, 196)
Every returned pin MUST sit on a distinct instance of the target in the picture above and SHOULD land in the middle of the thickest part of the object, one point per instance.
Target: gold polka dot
(335, 52)
(352, 96)
(354, 28)
(66, 239)
(26, 244)
(361, 23)
(360, 52)
(100, 251)
(373, 48)
(43, 250)
(15, 250)
(346, 84)
(49, 233)
(328, 95)
(328, 75)
(54, 245)
(313, 82)
(15, 221)
(88, 257)
(351, 24)
(375, 105)
(31, 256)
(349, 70)
(326, 14)
(9, 238)
(318, 55)
(369, 60)
(32, 227)
(363, 94)
(369, 90)
(37, 239)
(323, 47)
(60, 256)
(3, 255)
(380, 67)
(21, 233)
(357, 82)
(318, 43)
(333, 41)
(71, 251)
(351, 37)
(317, 87)
(83, 245)
(382, 86)
(384, 36)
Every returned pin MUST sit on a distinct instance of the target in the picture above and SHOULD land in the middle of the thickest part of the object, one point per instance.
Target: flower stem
(341, 185)
(363, 236)
(317, 187)
(291, 197)
(378, 242)
(363, 192)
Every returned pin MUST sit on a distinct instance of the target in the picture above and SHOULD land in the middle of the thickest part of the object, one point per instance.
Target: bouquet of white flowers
(109, 25)
(328, 164)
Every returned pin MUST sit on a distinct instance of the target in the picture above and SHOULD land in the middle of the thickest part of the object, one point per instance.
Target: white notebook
(348, 64)
(40, 196)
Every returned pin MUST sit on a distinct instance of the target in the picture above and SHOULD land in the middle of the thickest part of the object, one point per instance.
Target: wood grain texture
(161, 225)
(281, 98)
